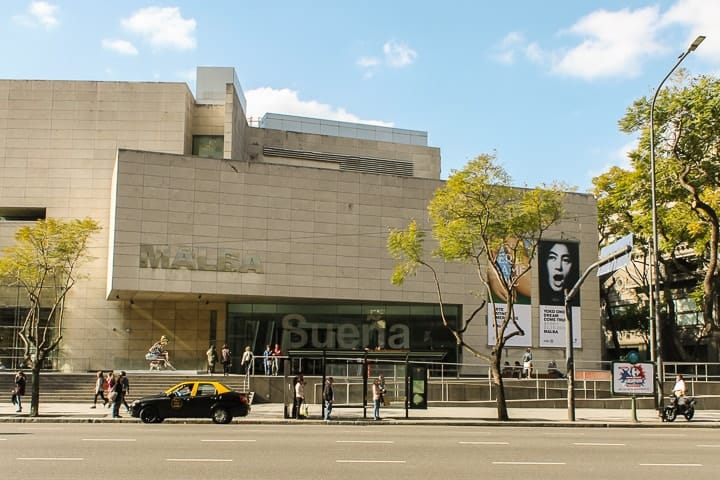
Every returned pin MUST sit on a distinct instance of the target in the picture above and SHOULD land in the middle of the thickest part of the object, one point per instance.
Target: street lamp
(656, 339)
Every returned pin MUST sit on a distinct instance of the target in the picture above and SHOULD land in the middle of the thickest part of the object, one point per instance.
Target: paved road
(273, 413)
(333, 451)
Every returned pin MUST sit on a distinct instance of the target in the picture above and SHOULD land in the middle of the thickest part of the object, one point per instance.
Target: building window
(210, 146)
(21, 214)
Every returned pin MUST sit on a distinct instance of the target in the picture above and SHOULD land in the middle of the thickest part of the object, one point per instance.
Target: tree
(44, 264)
(477, 217)
(687, 165)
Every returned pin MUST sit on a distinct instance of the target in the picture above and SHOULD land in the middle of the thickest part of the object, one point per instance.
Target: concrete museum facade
(215, 231)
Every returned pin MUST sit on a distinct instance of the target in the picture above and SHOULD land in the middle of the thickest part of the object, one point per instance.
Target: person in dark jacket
(19, 390)
(328, 397)
(117, 391)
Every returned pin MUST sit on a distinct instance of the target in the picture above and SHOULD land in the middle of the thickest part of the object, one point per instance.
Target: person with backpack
(226, 359)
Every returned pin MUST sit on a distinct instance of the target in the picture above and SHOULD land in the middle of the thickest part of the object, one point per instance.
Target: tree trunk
(497, 381)
(35, 393)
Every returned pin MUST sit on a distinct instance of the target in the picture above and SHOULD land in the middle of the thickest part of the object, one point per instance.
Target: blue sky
(541, 84)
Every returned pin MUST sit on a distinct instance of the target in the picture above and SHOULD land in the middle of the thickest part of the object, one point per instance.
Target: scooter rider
(679, 389)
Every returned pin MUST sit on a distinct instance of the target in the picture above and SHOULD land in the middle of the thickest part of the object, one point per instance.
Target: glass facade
(414, 327)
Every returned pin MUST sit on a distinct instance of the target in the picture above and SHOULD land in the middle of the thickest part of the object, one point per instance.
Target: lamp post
(656, 339)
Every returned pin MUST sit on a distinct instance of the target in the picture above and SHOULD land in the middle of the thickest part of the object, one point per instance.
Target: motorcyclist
(679, 389)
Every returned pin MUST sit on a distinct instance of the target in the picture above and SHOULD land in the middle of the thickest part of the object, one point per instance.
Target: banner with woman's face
(558, 272)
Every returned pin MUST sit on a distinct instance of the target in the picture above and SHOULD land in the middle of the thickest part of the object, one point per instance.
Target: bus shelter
(405, 372)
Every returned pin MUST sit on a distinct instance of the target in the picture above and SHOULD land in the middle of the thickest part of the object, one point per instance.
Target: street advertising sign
(633, 379)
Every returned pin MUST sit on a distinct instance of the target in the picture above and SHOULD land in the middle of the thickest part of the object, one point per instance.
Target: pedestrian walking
(247, 362)
(99, 389)
(329, 397)
(126, 389)
(212, 357)
(19, 390)
(109, 384)
(226, 359)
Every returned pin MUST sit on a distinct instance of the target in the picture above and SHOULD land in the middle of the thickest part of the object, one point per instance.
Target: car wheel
(689, 413)
(149, 415)
(221, 415)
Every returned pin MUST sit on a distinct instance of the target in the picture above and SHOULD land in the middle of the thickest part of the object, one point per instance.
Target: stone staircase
(80, 387)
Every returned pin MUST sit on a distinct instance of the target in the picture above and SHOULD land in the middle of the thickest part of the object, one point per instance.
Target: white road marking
(109, 440)
(588, 444)
(528, 463)
(51, 458)
(199, 459)
(228, 440)
(364, 441)
(662, 435)
(484, 443)
(370, 461)
(670, 464)
(704, 446)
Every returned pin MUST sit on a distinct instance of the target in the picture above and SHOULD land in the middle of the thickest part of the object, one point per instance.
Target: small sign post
(633, 378)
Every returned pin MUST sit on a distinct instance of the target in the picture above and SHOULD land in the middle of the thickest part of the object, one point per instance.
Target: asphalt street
(318, 450)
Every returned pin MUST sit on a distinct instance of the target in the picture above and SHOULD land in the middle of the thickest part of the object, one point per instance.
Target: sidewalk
(467, 416)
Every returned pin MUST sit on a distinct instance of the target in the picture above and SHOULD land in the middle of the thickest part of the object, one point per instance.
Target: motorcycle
(684, 406)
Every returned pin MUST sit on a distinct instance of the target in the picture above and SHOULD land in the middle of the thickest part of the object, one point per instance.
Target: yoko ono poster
(558, 271)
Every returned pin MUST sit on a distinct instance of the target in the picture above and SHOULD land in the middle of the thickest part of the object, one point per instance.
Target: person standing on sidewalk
(226, 358)
(19, 391)
(99, 389)
(377, 395)
(329, 397)
(299, 398)
(117, 396)
(212, 357)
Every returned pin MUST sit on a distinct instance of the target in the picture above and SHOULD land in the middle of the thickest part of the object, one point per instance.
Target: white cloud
(507, 50)
(269, 100)
(366, 62)
(164, 27)
(615, 43)
(39, 14)
(395, 55)
(398, 54)
(119, 46)
(701, 18)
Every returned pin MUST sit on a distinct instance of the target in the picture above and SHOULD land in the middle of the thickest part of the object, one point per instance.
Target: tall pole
(657, 321)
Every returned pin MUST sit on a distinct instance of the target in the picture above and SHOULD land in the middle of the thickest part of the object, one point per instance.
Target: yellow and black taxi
(192, 399)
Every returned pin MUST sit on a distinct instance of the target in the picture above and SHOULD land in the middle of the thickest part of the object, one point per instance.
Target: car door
(203, 400)
(180, 405)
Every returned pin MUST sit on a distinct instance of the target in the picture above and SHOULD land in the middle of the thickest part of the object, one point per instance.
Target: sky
(542, 85)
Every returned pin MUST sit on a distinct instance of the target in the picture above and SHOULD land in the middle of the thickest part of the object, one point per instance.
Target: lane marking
(109, 440)
(370, 461)
(199, 459)
(704, 446)
(51, 458)
(529, 463)
(670, 464)
(590, 444)
(484, 443)
(364, 441)
(227, 440)
(664, 435)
